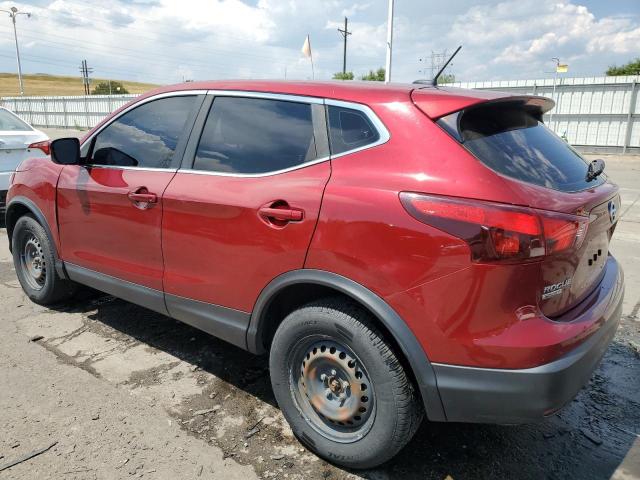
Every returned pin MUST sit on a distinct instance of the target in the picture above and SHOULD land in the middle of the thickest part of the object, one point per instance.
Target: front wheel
(340, 385)
(34, 261)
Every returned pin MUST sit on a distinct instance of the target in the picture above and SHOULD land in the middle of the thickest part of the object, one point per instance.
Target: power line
(140, 57)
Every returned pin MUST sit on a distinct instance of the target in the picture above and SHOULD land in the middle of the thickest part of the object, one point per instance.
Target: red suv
(397, 250)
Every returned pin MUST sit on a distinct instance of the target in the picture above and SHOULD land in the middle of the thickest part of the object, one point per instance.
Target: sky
(166, 41)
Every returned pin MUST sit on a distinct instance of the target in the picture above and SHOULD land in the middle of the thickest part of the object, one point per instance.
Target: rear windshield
(512, 141)
(9, 122)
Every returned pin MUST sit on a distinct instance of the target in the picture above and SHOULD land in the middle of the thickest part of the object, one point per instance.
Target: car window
(146, 136)
(514, 142)
(349, 129)
(255, 135)
(11, 123)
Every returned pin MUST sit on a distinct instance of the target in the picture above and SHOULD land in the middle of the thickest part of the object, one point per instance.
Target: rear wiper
(596, 167)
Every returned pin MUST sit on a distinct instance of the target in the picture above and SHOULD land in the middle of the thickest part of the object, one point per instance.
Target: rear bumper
(471, 394)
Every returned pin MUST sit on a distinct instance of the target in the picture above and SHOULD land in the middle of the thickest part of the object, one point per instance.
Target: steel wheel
(32, 263)
(332, 389)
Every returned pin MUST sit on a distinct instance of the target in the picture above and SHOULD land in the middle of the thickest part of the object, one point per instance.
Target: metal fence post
(44, 111)
(64, 111)
(630, 112)
(30, 110)
(86, 112)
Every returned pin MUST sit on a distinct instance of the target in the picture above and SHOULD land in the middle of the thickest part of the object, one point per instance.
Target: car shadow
(589, 438)
(238, 367)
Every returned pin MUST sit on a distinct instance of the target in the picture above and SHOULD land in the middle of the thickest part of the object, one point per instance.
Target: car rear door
(243, 208)
(110, 208)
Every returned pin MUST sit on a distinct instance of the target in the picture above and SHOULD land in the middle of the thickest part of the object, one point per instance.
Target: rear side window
(349, 129)
(512, 141)
(146, 136)
(255, 135)
(11, 123)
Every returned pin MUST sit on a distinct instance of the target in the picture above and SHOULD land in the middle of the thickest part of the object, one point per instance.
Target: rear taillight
(44, 146)
(498, 232)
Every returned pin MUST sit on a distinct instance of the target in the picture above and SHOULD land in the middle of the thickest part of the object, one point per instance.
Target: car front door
(110, 208)
(243, 208)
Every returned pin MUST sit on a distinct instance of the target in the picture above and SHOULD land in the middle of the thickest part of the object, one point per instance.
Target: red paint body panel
(36, 180)
(461, 312)
(102, 230)
(218, 249)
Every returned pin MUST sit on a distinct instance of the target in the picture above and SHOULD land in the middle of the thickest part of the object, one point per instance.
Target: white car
(18, 141)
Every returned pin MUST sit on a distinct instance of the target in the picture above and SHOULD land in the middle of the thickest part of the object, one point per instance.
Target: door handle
(282, 214)
(142, 195)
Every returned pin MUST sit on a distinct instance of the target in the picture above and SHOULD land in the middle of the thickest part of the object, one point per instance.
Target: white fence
(65, 112)
(592, 113)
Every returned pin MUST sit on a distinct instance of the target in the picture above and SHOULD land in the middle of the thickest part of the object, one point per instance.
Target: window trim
(197, 126)
(187, 164)
(194, 141)
(371, 116)
(177, 93)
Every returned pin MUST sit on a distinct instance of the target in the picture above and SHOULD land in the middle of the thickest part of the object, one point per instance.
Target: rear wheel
(34, 261)
(340, 385)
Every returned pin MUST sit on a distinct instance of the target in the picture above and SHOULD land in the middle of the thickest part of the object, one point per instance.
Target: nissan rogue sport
(399, 251)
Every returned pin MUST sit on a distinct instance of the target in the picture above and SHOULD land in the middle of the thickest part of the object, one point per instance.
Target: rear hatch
(578, 214)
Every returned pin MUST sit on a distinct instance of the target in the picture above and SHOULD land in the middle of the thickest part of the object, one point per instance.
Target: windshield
(513, 142)
(9, 122)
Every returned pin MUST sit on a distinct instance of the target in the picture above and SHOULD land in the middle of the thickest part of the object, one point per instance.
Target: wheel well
(295, 296)
(14, 212)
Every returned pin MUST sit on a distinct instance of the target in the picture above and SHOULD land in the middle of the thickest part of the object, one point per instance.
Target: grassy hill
(40, 84)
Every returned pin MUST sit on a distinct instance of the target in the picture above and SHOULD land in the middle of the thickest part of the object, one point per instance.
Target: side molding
(132, 292)
(225, 323)
(37, 213)
(411, 348)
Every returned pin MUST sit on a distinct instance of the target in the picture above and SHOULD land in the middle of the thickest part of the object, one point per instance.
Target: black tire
(393, 409)
(31, 245)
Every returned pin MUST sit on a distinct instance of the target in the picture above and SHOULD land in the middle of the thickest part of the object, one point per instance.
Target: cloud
(162, 41)
(527, 34)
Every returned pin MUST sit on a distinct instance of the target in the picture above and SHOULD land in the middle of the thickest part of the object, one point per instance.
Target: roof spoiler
(538, 106)
(437, 103)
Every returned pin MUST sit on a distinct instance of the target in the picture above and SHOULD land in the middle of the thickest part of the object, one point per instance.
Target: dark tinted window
(350, 129)
(255, 135)
(513, 142)
(146, 136)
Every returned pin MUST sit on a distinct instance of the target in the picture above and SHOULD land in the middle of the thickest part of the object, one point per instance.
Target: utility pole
(85, 70)
(13, 13)
(387, 72)
(345, 33)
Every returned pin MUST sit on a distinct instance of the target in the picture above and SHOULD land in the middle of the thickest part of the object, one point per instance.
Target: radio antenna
(434, 81)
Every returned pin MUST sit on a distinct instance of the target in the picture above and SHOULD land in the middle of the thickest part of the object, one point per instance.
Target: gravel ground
(127, 393)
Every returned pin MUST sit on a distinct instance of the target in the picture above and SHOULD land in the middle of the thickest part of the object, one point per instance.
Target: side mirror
(66, 151)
